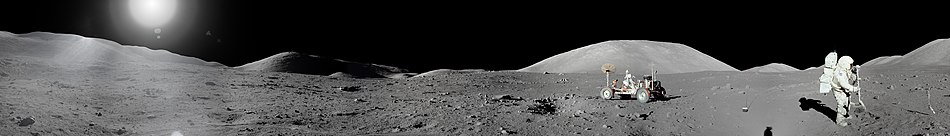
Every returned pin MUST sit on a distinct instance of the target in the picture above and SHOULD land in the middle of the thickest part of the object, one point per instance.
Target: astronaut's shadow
(807, 104)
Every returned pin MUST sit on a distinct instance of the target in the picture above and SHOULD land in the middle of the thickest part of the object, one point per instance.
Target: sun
(152, 13)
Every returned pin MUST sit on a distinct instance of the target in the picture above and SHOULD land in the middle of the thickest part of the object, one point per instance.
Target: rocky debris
(543, 106)
(24, 121)
(645, 115)
(349, 88)
(563, 81)
(359, 100)
(505, 131)
(345, 113)
(505, 97)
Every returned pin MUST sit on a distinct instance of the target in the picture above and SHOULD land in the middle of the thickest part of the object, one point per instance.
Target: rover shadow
(807, 104)
(666, 98)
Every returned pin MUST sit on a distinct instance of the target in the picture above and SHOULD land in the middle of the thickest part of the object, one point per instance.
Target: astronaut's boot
(840, 120)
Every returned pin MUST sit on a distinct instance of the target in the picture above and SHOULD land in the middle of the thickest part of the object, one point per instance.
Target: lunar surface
(56, 84)
(772, 67)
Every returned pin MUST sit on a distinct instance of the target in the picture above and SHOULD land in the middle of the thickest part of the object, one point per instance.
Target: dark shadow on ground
(768, 131)
(667, 98)
(807, 104)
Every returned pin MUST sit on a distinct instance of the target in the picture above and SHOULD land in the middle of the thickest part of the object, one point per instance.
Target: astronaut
(627, 79)
(843, 85)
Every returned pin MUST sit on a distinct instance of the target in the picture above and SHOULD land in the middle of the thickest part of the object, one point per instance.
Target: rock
(26, 122)
(350, 88)
(359, 100)
(505, 97)
(210, 83)
(605, 126)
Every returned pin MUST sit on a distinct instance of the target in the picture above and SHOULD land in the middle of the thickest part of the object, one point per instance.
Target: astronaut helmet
(846, 62)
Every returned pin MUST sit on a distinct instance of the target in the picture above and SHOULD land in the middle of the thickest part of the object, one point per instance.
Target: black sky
(426, 36)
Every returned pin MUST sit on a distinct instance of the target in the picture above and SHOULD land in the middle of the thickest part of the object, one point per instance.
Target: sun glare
(152, 13)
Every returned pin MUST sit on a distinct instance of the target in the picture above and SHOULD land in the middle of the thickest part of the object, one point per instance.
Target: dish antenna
(607, 68)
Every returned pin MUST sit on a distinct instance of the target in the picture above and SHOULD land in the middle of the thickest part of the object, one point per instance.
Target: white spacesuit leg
(842, 98)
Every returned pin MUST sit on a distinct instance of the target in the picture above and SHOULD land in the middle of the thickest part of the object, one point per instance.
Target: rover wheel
(642, 95)
(606, 93)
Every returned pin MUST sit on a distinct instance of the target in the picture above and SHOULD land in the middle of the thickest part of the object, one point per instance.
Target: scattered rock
(25, 121)
(120, 131)
(645, 115)
(345, 113)
(890, 87)
(543, 106)
(547, 72)
(505, 97)
(349, 88)
(359, 100)
(605, 126)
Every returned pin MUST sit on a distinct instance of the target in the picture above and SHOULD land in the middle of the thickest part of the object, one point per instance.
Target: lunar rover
(644, 90)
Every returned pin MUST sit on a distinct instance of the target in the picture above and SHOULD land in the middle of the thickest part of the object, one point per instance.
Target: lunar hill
(293, 62)
(79, 49)
(638, 56)
(772, 67)
(935, 53)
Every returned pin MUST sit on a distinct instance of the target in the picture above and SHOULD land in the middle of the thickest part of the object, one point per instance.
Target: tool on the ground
(857, 73)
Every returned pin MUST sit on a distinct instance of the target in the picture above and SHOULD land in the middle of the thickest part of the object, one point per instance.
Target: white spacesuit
(843, 84)
(627, 79)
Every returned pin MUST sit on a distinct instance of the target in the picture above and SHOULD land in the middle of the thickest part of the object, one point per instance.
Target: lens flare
(153, 13)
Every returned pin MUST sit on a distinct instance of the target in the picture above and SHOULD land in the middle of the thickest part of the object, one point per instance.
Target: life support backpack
(824, 82)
